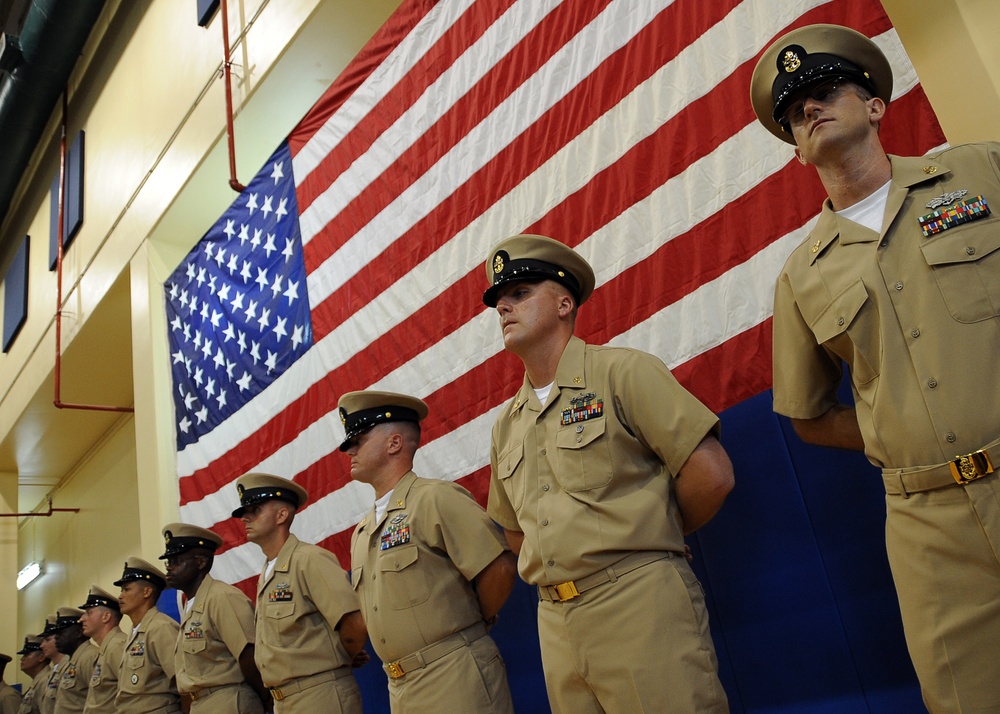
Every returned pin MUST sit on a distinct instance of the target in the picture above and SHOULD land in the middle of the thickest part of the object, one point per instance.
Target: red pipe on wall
(227, 72)
(59, 260)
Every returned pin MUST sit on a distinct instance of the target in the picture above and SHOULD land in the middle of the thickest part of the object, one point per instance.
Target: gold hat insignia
(791, 61)
(498, 264)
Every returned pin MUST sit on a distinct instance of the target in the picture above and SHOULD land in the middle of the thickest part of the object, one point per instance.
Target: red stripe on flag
(428, 68)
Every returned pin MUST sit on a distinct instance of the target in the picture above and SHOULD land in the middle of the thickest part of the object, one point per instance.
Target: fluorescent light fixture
(28, 573)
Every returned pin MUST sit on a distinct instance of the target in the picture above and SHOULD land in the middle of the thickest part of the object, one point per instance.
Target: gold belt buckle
(395, 671)
(566, 591)
(278, 696)
(970, 467)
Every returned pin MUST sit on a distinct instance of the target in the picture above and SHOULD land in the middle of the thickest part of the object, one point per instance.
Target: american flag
(621, 128)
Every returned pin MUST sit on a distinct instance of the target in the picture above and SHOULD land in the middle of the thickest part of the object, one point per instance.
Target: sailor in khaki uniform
(146, 679)
(900, 279)
(101, 621)
(47, 700)
(75, 673)
(309, 627)
(35, 665)
(214, 650)
(430, 568)
(600, 464)
(10, 698)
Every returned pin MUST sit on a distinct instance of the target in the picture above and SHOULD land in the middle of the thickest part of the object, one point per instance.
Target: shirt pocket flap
(279, 610)
(577, 436)
(396, 559)
(193, 645)
(964, 244)
(509, 461)
(840, 313)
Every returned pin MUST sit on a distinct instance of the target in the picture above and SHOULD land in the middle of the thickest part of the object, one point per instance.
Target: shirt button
(899, 286)
(375, 608)
(840, 321)
(383, 640)
(970, 250)
(545, 521)
(950, 437)
(543, 452)
(579, 439)
(932, 383)
(545, 487)
(914, 333)
(551, 563)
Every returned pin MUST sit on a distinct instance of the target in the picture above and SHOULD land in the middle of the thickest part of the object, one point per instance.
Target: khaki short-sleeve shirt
(413, 570)
(104, 680)
(47, 698)
(915, 317)
(213, 633)
(589, 476)
(31, 703)
(146, 678)
(74, 680)
(298, 610)
(10, 699)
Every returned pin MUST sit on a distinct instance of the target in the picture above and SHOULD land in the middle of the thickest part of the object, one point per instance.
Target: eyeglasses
(824, 92)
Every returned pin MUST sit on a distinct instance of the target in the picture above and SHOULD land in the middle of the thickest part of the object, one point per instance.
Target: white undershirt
(381, 505)
(270, 568)
(188, 605)
(870, 211)
(543, 393)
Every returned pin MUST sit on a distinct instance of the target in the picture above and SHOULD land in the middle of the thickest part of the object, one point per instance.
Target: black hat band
(362, 420)
(181, 544)
(812, 69)
(100, 601)
(529, 269)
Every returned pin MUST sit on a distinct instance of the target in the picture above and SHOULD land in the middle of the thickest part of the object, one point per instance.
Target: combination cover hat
(32, 643)
(50, 623)
(807, 56)
(360, 411)
(139, 569)
(532, 257)
(257, 487)
(98, 597)
(65, 617)
(181, 537)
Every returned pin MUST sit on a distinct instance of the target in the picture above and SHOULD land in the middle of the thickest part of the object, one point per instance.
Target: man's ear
(800, 157)
(876, 109)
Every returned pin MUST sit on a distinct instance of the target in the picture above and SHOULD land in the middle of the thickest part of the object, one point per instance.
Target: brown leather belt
(960, 470)
(574, 588)
(432, 653)
(297, 685)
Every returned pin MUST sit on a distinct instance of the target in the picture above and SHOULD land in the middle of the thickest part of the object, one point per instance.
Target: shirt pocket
(583, 456)
(405, 584)
(194, 649)
(511, 475)
(965, 262)
(849, 328)
(280, 616)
